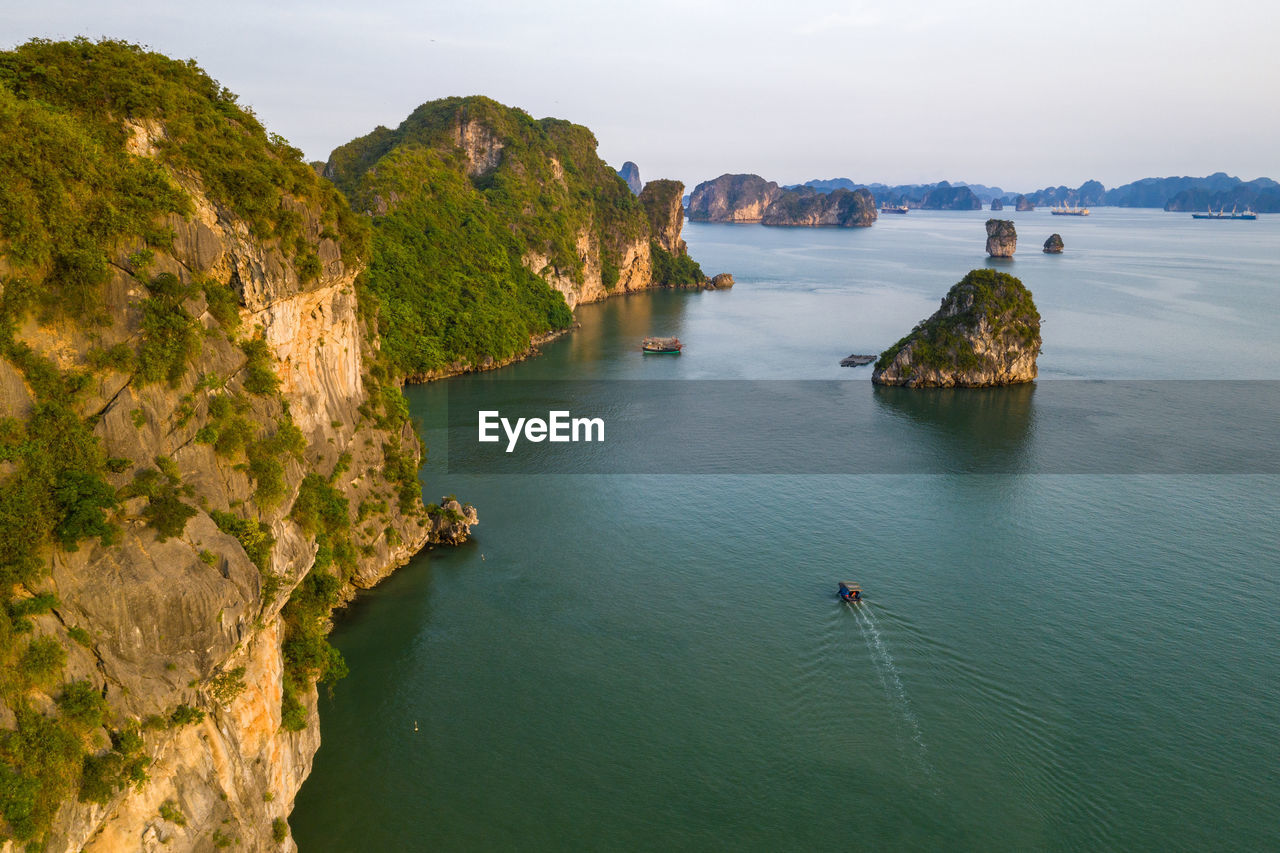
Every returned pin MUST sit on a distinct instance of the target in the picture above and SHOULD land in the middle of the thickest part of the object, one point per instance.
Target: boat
(662, 346)
(850, 591)
(894, 208)
(1247, 214)
(1065, 209)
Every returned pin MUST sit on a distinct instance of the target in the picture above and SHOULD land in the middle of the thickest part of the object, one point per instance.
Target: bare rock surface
(1002, 238)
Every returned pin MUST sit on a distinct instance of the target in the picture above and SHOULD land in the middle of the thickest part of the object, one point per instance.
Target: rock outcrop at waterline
(986, 332)
(1022, 204)
(1002, 238)
(200, 452)
(750, 198)
(1054, 245)
(997, 204)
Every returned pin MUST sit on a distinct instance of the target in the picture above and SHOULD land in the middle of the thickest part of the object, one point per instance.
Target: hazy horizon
(1034, 96)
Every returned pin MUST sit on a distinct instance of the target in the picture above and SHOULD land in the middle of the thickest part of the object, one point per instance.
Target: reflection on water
(979, 429)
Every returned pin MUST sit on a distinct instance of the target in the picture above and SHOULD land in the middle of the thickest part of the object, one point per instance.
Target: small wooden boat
(662, 346)
(850, 591)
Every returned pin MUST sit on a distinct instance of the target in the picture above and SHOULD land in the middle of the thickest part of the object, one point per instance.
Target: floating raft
(857, 360)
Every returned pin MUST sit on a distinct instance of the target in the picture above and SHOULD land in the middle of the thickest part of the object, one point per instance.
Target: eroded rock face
(843, 208)
(481, 146)
(1053, 246)
(732, 198)
(750, 198)
(662, 203)
(634, 273)
(986, 332)
(1002, 239)
(997, 204)
(1023, 204)
(630, 173)
(168, 620)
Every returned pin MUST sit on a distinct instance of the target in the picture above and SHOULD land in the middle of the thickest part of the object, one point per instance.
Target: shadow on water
(970, 430)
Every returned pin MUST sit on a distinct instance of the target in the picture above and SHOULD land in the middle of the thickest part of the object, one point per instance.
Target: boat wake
(894, 691)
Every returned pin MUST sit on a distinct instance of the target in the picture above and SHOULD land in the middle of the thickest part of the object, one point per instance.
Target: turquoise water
(648, 662)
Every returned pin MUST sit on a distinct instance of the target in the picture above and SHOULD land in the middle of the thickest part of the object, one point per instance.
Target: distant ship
(1248, 214)
(892, 208)
(1069, 210)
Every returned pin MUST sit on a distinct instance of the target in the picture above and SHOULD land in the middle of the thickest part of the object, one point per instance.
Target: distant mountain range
(1218, 190)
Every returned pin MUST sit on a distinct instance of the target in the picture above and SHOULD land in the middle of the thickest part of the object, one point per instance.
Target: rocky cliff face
(750, 198)
(732, 198)
(239, 468)
(997, 204)
(1023, 204)
(630, 173)
(986, 332)
(662, 204)
(1002, 239)
(169, 627)
(1053, 246)
(843, 208)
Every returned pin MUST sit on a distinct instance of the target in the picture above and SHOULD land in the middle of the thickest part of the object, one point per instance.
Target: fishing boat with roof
(850, 591)
(661, 346)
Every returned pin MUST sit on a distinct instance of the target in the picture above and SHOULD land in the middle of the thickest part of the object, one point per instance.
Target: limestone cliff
(750, 198)
(732, 198)
(986, 332)
(843, 208)
(630, 173)
(662, 204)
(997, 204)
(1023, 204)
(943, 196)
(199, 457)
(1002, 238)
(525, 219)
(1053, 245)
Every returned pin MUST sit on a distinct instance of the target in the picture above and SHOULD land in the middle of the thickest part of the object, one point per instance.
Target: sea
(1073, 645)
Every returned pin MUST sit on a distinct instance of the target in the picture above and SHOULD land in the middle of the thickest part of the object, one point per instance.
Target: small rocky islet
(985, 333)
(1002, 238)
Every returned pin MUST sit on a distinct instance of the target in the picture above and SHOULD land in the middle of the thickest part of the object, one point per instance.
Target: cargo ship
(1069, 210)
(894, 208)
(1247, 214)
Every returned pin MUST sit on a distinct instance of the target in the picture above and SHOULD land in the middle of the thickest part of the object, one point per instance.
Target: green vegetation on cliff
(70, 192)
(446, 274)
(102, 148)
(994, 301)
(463, 192)
(673, 270)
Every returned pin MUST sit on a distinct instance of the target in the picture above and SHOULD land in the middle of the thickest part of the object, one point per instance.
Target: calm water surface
(659, 662)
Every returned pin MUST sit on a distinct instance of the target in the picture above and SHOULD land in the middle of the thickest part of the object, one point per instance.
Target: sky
(1018, 95)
